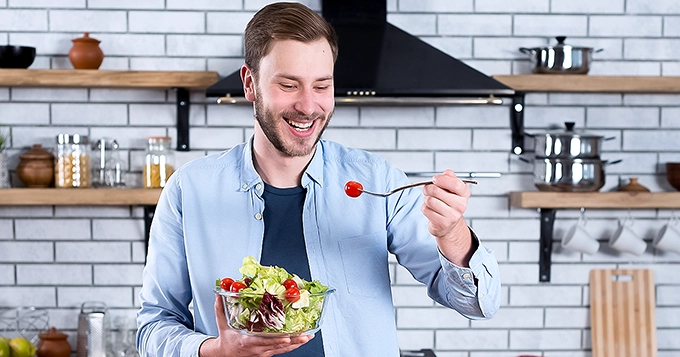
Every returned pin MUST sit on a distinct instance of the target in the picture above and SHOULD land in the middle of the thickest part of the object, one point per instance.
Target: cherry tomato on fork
(353, 188)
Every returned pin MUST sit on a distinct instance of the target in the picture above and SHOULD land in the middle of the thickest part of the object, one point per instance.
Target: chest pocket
(364, 260)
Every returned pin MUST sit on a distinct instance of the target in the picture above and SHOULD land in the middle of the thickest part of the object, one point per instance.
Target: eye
(286, 86)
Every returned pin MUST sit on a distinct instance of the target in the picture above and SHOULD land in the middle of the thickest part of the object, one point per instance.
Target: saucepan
(560, 58)
(570, 175)
(568, 143)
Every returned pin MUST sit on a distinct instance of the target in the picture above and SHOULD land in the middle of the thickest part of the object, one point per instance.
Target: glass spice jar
(72, 167)
(159, 162)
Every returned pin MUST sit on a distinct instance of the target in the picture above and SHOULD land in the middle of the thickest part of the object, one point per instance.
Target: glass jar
(72, 168)
(159, 162)
(107, 165)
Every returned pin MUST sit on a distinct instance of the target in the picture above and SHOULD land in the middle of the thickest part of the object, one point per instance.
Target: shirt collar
(250, 177)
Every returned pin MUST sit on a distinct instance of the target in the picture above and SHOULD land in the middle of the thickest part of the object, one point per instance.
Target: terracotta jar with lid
(36, 167)
(85, 53)
(53, 344)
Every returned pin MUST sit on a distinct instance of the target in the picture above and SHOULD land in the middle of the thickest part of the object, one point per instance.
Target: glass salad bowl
(270, 315)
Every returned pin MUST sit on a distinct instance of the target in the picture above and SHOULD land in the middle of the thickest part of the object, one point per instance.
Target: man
(280, 197)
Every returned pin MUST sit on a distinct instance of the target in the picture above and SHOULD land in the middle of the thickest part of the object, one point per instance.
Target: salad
(268, 299)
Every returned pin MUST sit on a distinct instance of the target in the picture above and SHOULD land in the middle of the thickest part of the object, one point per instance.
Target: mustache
(302, 117)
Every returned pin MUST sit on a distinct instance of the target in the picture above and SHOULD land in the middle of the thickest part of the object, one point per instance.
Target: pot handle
(598, 50)
(613, 162)
(527, 51)
(609, 138)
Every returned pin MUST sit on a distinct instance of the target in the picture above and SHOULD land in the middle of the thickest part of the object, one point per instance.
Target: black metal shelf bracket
(545, 254)
(517, 123)
(149, 211)
(182, 119)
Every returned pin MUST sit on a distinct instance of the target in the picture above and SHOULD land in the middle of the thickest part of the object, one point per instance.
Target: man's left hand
(444, 204)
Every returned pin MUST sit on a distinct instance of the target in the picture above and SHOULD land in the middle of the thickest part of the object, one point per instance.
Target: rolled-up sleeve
(474, 291)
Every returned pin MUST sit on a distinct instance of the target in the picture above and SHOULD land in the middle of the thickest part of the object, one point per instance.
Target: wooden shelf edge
(615, 200)
(79, 196)
(106, 78)
(585, 83)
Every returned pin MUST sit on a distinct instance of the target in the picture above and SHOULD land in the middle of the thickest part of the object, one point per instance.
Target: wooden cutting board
(622, 313)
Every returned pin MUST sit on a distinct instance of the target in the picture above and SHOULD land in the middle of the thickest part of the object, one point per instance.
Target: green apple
(4, 347)
(21, 347)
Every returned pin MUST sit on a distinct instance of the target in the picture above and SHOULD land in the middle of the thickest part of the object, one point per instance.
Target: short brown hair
(284, 21)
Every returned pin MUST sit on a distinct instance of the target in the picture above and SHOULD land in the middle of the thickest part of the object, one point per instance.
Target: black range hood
(379, 63)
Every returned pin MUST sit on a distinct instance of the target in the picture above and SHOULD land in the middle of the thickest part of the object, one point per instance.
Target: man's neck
(277, 169)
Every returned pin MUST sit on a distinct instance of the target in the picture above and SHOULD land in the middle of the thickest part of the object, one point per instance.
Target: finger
(448, 181)
(220, 316)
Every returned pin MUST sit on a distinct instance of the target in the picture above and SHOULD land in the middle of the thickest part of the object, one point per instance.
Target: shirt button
(258, 216)
(245, 185)
(258, 187)
(466, 276)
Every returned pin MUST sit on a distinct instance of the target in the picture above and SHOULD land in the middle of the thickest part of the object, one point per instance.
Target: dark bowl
(673, 174)
(16, 56)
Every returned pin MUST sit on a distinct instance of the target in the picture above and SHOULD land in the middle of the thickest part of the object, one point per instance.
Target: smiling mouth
(300, 126)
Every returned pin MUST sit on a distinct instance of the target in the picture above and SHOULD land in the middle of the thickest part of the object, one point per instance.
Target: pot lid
(37, 152)
(53, 334)
(561, 45)
(569, 131)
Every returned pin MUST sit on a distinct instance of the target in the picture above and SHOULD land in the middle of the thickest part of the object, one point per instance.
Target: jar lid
(53, 334)
(86, 38)
(72, 139)
(37, 152)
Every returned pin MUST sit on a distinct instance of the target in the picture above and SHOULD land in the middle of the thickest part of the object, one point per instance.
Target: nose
(306, 102)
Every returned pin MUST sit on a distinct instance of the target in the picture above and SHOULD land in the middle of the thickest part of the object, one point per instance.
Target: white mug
(578, 239)
(625, 239)
(668, 238)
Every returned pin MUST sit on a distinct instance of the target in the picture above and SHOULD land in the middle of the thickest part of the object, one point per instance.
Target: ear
(248, 83)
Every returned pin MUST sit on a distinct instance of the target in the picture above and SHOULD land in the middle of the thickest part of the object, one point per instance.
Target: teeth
(300, 127)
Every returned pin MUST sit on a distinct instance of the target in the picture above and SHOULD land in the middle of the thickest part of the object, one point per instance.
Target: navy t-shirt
(284, 245)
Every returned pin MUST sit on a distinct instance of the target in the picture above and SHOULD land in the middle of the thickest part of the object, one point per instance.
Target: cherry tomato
(290, 283)
(353, 188)
(237, 286)
(293, 294)
(225, 284)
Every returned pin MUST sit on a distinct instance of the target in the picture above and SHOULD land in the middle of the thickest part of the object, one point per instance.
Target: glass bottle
(72, 167)
(159, 162)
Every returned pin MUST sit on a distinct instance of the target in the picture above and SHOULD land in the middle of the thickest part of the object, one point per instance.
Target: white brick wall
(57, 257)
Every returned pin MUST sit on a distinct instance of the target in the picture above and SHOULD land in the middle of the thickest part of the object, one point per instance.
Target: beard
(269, 122)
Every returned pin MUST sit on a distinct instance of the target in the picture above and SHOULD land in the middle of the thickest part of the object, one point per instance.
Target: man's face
(294, 95)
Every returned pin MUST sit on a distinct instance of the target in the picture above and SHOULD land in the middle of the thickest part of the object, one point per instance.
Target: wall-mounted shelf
(104, 78)
(146, 197)
(548, 202)
(613, 200)
(575, 84)
(79, 196)
(181, 81)
(585, 83)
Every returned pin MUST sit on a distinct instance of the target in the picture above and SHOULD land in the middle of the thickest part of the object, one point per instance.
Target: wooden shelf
(79, 196)
(106, 78)
(586, 83)
(616, 200)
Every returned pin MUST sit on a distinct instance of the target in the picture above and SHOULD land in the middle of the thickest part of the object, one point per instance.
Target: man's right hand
(231, 343)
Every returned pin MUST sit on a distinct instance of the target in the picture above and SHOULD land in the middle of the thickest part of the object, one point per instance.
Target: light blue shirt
(209, 217)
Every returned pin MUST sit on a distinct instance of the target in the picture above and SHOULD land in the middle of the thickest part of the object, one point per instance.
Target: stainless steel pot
(561, 58)
(570, 175)
(568, 144)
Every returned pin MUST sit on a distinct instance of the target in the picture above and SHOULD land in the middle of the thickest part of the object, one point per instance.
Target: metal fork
(408, 186)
